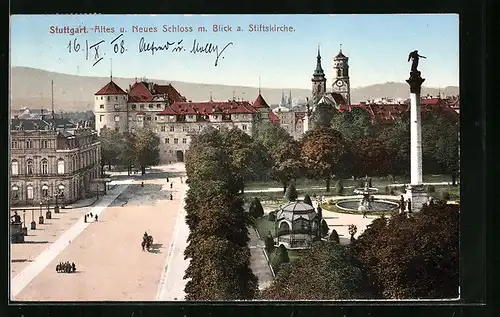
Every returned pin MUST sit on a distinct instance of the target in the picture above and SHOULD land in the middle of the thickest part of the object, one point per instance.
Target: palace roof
(260, 102)
(209, 107)
(111, 89)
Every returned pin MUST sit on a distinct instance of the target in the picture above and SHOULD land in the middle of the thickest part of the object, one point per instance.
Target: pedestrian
(96, 218)
(167, 180)
(370, 182)
(85, 218)
(171, 197)
(409, 206)
(364, 213)
(402, 204)
(91, 215)
(171, 184)
(73, 266)
(142, 184)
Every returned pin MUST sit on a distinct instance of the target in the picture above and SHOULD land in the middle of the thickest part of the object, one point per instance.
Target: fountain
(368, 202)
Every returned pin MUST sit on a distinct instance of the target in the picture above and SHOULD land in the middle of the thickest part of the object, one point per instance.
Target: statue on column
(414, 57)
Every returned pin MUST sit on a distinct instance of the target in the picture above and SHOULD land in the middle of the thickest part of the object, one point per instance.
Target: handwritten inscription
(93, 52)
(209, 48)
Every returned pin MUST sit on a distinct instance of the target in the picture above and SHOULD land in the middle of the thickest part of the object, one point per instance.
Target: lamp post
(48, 214)
(40, 219)
(25, 230)
(56, 208)
(33, 223)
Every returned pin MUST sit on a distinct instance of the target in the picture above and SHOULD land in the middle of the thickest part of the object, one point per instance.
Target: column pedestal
(417, 196)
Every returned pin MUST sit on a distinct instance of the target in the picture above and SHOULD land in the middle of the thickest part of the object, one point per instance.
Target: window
(132, 107)
(156, 118)
(14, 144)
(15, 192)
(101, 106)
(60, 166)
(45, 191)
(184, 129)
(116, 97)
(158, 106)
(150, 106)
(44, 167)
(45, 144)
(184, 141)
(170, 151)
(244, 127)
(15, 168)
(215, 117)
(148, 118)
(176, 141)
(28, 144)
(167, 140)
(101, 118)
(101, 97)
(172, 128)
(162, 128)
(60, 189)
(117, 118)
(29, 192)
(142, 106)
(139, 118)
(29, 167)
(108, 98)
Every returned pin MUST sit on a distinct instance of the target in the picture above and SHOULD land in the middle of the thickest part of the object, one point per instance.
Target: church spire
(319, 69)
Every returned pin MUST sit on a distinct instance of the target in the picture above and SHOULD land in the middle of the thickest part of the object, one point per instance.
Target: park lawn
(263, 226)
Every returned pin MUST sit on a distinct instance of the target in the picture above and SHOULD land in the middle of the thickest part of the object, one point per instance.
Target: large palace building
(52, 159)
(163, 109)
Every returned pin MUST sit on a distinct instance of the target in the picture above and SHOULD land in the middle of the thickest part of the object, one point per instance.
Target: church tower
(318, 80)
(341, 83)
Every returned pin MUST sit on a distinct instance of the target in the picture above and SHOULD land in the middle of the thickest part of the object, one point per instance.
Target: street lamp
(56, 208)
(48, 214)
(40, 219)
(25, 230)
(33, 223)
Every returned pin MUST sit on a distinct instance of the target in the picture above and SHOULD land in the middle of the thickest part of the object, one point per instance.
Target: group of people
(66, 267)
(405, 204)
(147, 241)
(90, 215)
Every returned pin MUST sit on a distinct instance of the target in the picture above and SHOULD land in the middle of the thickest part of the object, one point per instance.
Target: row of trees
(129, 149)
(217, 164)
(396, 258)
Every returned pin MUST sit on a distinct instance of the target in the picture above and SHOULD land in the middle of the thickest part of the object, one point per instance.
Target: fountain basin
(376, 205)
(363, 191)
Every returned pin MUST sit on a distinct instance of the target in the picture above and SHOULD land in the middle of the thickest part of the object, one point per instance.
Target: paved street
(109, 259)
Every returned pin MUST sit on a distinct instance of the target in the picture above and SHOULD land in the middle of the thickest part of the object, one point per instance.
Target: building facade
(176, 120)
(52, 158)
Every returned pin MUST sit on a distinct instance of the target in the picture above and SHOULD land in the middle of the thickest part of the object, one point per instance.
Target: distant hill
(30, 87)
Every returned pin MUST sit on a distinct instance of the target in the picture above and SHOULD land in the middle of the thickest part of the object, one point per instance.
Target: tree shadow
(20, 260)
(36, 242)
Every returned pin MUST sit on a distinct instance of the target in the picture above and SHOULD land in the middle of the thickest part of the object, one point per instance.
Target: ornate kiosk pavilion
(296, 226)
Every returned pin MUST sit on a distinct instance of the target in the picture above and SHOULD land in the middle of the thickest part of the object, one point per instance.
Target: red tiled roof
(209, 107)
(111, 89)
(273, 117)
(260, 102)
(147, 92)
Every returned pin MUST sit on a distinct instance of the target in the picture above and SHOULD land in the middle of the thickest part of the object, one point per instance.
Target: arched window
(60, 166)
(29, 167)
(339, 72)
(15, 167)
(29, 192)
(45, 191)
(60, 190)
(15, 192)
(44, 167)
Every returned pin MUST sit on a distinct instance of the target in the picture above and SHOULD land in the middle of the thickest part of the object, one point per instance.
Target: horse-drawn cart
(147, 242)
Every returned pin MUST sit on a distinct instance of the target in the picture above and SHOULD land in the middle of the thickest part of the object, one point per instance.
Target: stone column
(415, 191)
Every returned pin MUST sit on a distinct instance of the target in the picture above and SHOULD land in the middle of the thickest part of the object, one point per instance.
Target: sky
(377, 47)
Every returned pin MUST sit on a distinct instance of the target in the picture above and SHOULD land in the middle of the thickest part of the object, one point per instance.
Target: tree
(414, 257)
(147, 148)
(334, 237)
(279, 257)
(291, 193)
(395, 136)
(324, 228)
(307, 199)
(372, 157)
(111, 147)
(269, 242)
(354, 125)
(322, 116)
(339, 188)
(286, 162)
(255, 209)
(322, 150)
(128, 156)
(324, 272)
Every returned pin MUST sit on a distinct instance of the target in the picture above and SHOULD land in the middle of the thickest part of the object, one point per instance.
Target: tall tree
(324, 272)
(395, 135)
(372, 157)
(128, 156)
(147, 148)
(286, 162)
(322, 151)
(111, 147)
(414, 257)
(322, 116)
(354, 125)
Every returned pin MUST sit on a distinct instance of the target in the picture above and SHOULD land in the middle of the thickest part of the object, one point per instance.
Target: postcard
(234, 157)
